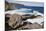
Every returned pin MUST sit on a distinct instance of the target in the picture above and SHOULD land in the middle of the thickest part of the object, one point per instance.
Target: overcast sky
(39, 4)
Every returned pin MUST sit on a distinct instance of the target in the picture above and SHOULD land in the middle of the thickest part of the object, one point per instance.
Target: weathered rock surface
(19, 22)
(31, 26)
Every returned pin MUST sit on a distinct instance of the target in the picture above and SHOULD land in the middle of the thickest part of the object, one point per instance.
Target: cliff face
(7, 5)
(11, 6)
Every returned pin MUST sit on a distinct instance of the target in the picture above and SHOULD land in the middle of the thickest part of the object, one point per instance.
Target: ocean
(35, 8)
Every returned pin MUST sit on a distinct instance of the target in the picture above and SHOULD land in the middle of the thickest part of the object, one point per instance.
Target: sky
(39, 4)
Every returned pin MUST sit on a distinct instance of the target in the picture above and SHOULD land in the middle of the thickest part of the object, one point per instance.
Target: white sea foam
(38, 20)
(37, 13)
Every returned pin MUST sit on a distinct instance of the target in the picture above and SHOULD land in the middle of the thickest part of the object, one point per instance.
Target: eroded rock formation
(19, 22)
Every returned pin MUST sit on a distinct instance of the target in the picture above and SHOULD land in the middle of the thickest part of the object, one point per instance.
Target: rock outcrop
(19, 22)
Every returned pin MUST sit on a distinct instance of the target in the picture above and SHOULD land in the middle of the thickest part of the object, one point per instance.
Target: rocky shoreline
(18, 22)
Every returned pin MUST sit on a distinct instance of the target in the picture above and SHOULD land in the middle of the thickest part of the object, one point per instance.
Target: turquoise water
(25, 10)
